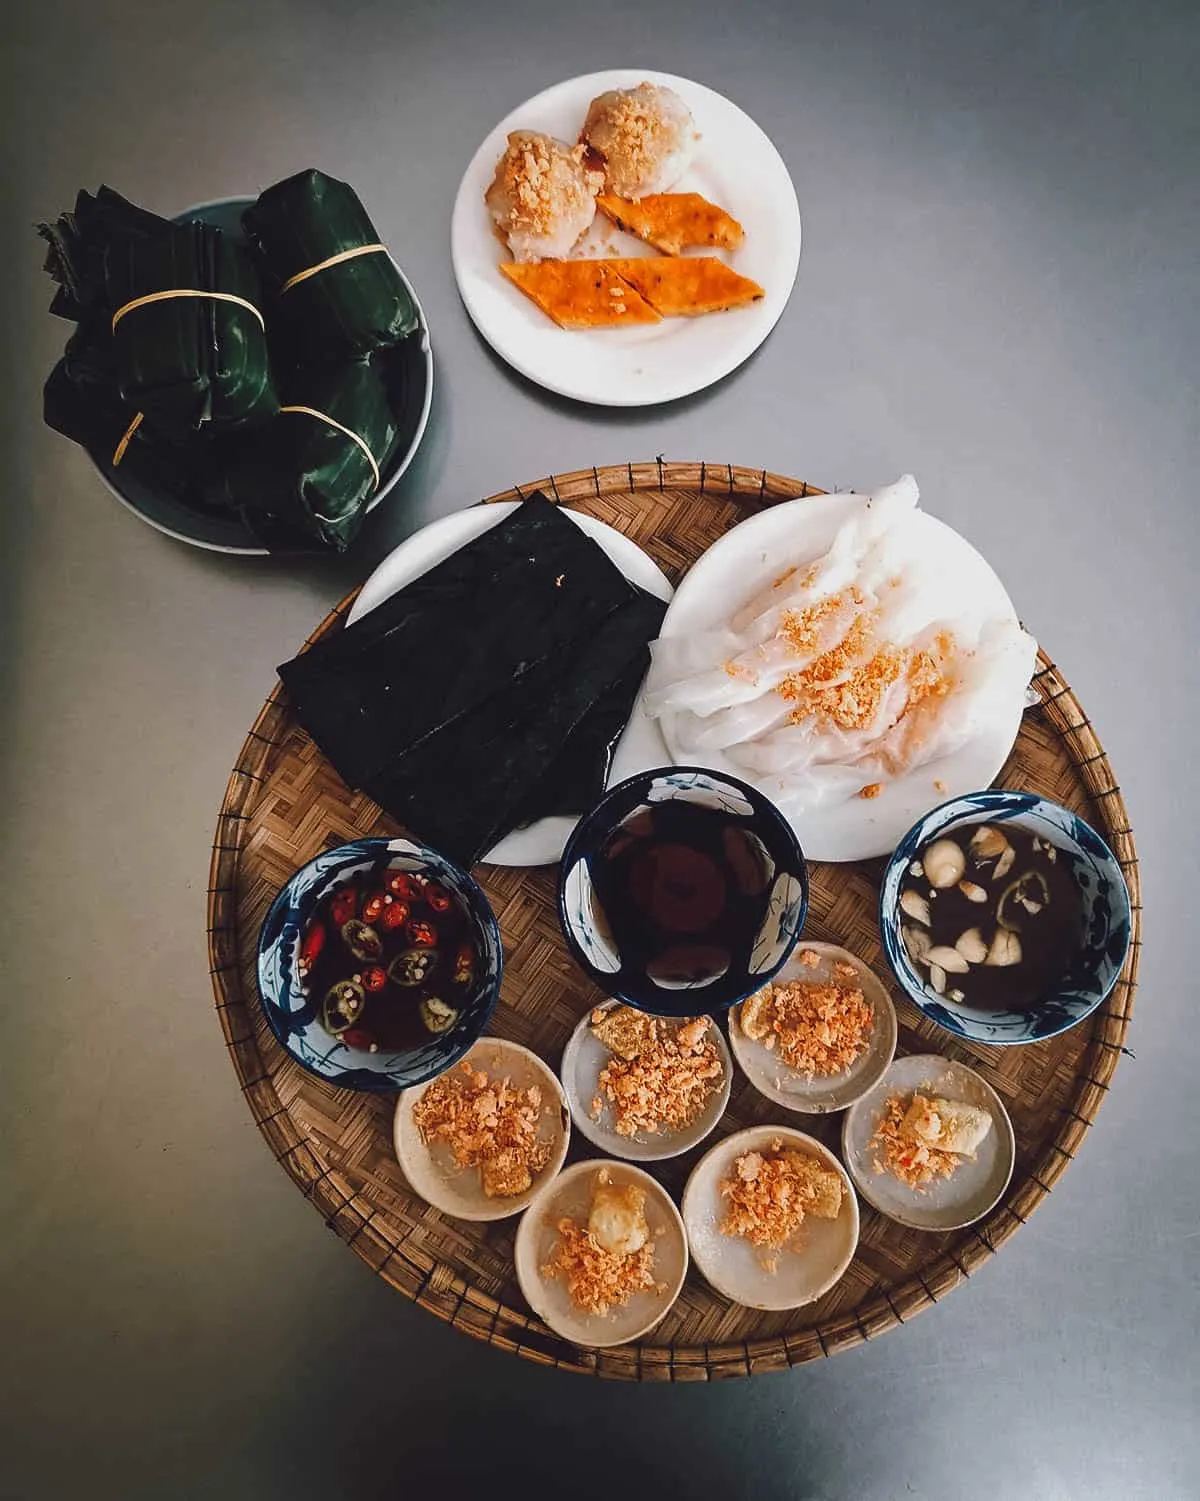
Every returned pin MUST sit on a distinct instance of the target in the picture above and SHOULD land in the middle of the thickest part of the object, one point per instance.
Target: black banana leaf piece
(82, 400)
(579, 773)
(77, 242)
(525, 592)
(189, 361)
(348, 308)
(302, 482)
(465, 786)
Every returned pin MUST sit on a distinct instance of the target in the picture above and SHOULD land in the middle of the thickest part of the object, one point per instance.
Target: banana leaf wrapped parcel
(185, 310)
(305, 480)
(339, 291)
(82, 400)
(188, 329)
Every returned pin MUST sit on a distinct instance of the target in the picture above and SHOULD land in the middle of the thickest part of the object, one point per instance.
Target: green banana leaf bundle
(78, 240)
(304, 481)
(82, 400)
(195, 353)
(340, 294)
(199, 355)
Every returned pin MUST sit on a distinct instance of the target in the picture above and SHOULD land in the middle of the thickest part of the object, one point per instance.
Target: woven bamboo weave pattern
(284, 803)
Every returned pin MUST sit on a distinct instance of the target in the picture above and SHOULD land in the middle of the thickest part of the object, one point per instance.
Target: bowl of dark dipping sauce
(1004, 916)
(682, 891)
(379, 964)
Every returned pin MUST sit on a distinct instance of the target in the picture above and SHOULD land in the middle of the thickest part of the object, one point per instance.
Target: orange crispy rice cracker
(580, 294)
(672, 222)
(684, 286)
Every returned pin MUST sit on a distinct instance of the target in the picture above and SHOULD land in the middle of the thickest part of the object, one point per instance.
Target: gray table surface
(998, 291)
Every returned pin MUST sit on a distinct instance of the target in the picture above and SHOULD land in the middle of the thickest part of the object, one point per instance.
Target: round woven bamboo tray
(284, 803)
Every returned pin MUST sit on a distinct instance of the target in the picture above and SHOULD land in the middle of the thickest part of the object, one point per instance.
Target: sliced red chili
(344, 905)
(400, 883)
(314, 942)
(464, 965)
(422, 935)
(373, 907)
(438, 897)
(374, 978)
(396, 914)
(357, 1037)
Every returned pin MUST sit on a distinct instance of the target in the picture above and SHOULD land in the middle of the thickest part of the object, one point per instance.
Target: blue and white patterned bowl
(293, 1016)
(784, 903)
(1096, 966)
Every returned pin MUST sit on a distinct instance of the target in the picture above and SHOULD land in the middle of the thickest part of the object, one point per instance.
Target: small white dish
(737, 1269)
(747, 558)
(569, 1196)
(640, 745)
(431, 1170)
(583, 1059)
(946, 1203)
(736, 166)
(818, 1094)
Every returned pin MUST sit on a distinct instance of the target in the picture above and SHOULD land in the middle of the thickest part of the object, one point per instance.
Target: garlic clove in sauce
(945, 864)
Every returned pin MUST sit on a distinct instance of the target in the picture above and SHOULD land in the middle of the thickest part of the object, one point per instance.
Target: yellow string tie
(185, 292)
(334, 260)
(119, 451)
(353, 436)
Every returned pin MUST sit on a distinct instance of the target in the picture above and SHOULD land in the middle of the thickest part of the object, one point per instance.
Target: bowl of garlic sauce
(1004, 916)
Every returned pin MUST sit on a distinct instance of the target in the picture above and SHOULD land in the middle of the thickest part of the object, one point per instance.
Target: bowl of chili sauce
(379, 964)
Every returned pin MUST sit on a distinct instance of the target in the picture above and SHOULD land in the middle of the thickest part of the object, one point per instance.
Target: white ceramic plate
(431, 1170)
(583, 1059)
(747, 558)
(736, 166)
(640, 745)
(569, 1196)
(225, 533)
(738, 1269)
(947, 1203)
(817, 1094)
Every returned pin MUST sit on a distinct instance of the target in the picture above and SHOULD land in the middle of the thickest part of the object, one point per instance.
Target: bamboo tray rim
(436, 1285)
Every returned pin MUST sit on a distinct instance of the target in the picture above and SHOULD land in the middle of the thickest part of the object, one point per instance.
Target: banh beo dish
(771, 1217)
(818, 1035)
(601, 1253)
(482, 1138)
(931, 1145)
(646, 1087)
